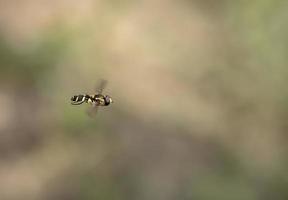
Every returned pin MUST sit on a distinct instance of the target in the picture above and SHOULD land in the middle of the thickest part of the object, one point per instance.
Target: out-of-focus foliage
(200, 97)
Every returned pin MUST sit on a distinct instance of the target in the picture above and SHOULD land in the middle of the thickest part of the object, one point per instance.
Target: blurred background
(200, 101)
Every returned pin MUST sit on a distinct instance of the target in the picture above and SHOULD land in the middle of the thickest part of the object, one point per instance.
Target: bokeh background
(201, 104)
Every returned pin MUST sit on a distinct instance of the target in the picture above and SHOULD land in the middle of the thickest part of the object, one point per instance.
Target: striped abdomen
(79, 99)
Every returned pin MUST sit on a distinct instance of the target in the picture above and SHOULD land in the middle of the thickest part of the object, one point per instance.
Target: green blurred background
(201, 104)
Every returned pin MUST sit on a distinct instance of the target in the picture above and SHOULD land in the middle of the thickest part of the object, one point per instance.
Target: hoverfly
(95, 100)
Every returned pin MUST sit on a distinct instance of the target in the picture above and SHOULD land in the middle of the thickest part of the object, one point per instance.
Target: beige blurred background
(201, 104)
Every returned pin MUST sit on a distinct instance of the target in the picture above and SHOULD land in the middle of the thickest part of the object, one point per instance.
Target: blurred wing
(100, 86)
(92, 111)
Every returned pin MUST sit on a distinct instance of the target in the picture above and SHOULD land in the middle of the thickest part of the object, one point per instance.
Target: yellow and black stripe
(97, 99)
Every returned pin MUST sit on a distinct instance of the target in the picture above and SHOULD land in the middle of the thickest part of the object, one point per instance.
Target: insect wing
(92, 111)
(100, 87)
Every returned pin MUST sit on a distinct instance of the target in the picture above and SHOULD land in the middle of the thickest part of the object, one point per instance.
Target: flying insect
(95, 100)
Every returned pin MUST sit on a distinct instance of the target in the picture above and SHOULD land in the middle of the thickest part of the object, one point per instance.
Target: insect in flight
(95, 100)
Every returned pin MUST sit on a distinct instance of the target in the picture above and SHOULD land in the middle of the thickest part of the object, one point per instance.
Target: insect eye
(107, 100)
